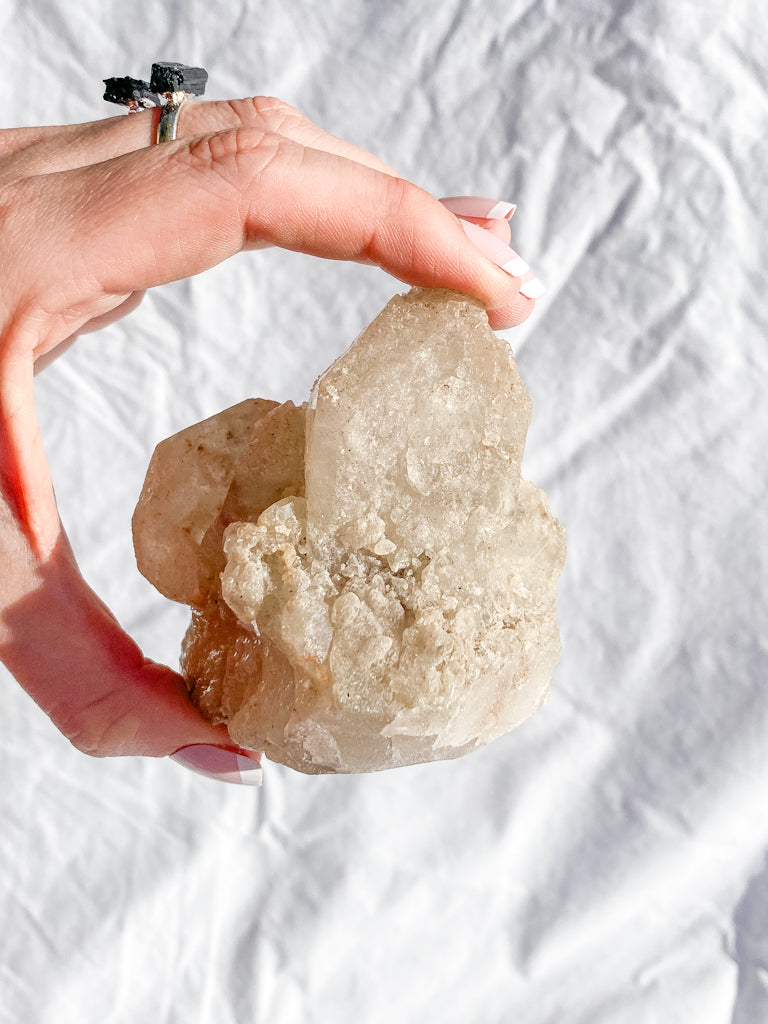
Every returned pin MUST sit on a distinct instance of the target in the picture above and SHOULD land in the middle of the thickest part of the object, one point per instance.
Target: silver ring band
(169, 117)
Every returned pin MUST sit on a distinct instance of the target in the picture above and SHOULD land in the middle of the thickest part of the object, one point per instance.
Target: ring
(175, 83)
(169, 87)
(169, 117)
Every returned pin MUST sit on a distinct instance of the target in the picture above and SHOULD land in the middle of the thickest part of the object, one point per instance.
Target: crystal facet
(387, 586)
(170, 77)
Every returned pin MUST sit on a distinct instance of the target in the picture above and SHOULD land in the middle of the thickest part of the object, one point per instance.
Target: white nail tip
(250, 774)
(532, 289)
(477, 206)
(504, 210)
(219, 763)
(517, 266)
(497, 251)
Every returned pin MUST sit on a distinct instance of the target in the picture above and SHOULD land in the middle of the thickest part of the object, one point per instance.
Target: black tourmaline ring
(176, 83)
(169, 87)
(131, 93)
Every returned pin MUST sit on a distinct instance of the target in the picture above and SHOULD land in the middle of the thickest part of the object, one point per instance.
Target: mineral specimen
(130, 92)
(170, 77)
(373, 584)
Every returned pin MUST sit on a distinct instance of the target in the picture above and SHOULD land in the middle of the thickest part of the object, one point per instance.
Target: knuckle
(233, 158)
(87, 744)
(77, 728)
(398, 194)
(402, 203)
(222, 154)
(275, 114)
(91, 735)
(399, 204)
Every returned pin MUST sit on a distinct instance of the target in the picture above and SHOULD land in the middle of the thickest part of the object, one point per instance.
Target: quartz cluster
(372, 582)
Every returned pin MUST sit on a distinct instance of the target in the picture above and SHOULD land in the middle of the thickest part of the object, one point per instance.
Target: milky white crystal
(390, 597)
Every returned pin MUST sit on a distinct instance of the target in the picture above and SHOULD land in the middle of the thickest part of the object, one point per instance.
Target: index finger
(160, 214)
(171, 211)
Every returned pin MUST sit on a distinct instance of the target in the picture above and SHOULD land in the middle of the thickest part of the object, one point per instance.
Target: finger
(47, 150)
(499, 228)
(17, 140)
(516, 312)
(56, 636)
(43, 150)
(174, 210)
(492, 216)
(171, 211)
(96, 324)
(273, 115)
(479, 207)
(506, 258)
(126, 306)
(511, 315)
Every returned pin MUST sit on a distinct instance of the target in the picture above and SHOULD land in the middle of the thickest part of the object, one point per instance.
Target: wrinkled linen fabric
(607, 863)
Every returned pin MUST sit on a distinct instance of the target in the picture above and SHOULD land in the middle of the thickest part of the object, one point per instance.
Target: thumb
(57, 638)
(68, 651)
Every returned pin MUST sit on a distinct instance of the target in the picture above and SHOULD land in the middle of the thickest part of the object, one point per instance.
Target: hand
(91, 216)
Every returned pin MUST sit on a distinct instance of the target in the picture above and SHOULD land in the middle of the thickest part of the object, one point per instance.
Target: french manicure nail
(495, 249)
(225, 764)
(530, 286)
(478, 206)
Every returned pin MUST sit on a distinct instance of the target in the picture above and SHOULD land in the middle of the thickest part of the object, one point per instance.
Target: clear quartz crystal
(390, 597)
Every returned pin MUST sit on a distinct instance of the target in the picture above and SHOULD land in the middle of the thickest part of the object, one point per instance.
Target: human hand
(108, 215)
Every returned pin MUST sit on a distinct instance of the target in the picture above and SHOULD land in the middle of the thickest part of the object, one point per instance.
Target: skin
(108, 215)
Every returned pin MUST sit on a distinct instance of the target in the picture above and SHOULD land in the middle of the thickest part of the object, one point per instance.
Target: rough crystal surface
(386, 594)
(171, 77)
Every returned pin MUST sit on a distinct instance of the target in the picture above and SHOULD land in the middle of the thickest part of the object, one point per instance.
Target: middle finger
(27, 152)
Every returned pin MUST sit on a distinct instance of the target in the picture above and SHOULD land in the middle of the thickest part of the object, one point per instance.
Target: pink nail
(226, 764)
(478, 206)
(495, 249)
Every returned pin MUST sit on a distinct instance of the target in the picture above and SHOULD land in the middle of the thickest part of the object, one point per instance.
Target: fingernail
(478, 206)
(530, 286)
(226, 764)
(496, 250)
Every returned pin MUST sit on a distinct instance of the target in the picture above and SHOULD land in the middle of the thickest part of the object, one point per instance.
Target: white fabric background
(608, 862)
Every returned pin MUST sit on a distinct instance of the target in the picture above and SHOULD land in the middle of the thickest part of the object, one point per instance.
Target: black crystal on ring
(167, 77)
(130, 90)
